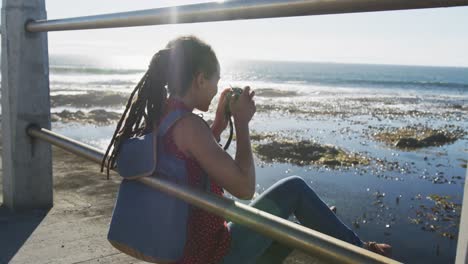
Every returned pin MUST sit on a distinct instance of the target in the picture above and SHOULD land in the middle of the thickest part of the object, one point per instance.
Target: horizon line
(230, 60)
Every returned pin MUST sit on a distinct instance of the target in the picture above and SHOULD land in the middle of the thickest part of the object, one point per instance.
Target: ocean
(408, 198)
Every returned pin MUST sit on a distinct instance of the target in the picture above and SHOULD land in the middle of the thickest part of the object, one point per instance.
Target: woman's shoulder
(192, 123)
(191, 129)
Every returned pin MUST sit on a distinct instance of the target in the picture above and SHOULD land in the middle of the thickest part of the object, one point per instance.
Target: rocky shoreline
(97, 117)
(92, 98)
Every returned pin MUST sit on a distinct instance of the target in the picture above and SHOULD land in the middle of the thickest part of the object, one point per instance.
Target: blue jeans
(289, 196)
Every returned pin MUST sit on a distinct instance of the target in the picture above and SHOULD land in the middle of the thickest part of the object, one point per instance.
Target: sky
(436, 37)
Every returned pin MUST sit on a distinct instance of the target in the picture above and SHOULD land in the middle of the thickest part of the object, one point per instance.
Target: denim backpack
(147, 223)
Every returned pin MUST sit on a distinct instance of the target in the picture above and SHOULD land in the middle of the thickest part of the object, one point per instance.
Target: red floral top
(208, 237)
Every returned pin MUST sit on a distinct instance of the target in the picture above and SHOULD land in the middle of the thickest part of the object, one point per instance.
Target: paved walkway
(75, 229)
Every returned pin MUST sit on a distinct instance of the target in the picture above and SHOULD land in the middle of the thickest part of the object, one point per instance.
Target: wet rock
(436, 139)
(464, 162)
(408, 143)
(267, 108)
(102, 116)
(448, 235)
(415, 220)
(356, 224)
(430, 228)
(439, 180)
(379, 195)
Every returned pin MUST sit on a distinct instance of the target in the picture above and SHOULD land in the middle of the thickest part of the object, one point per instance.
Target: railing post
(462, 246)
(27, 164)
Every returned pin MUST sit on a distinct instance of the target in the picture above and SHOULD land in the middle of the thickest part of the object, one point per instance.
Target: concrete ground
(75, 229)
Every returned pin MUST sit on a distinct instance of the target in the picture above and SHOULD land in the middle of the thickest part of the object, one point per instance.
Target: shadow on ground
(15, 229)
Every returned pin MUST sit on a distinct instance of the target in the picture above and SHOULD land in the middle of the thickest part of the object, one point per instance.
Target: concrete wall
(27, 166)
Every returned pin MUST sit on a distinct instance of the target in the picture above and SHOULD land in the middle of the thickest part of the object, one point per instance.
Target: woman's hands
(243, 108)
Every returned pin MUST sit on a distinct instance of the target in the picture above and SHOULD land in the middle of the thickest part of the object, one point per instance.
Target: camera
(232, 95)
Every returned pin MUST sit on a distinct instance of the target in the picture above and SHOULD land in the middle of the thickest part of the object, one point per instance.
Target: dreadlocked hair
(174, 67)
(144, 107)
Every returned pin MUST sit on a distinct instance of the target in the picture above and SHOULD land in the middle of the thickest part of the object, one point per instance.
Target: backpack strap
(168, 122)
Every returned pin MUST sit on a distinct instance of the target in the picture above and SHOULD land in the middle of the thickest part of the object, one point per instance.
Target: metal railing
(286, 232)
(232, 10)
(296, 236)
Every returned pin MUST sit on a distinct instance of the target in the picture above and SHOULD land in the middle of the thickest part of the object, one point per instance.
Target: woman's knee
(293, 183)
(291, 187)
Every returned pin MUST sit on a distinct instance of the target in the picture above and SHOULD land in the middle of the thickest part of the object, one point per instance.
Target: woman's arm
(237, 175)
(220, 121)
(216, 132)
(244, 156)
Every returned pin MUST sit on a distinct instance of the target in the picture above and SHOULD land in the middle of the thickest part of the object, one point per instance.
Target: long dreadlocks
(175, 66)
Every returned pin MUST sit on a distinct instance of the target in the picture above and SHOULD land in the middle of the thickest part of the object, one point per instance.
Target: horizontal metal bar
(232, 10)
(291, 234)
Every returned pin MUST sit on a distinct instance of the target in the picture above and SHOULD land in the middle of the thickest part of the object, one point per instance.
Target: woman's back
(207, 234)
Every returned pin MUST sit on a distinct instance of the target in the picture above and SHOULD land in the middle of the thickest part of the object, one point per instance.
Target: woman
(190, 70)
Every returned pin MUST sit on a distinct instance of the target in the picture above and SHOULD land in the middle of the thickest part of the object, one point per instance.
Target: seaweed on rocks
(464, 162)
(414, 137)
(306, 152)
(97, 116)
(262, 136)
(441, 216)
